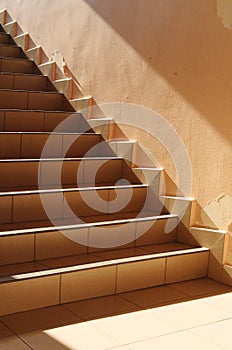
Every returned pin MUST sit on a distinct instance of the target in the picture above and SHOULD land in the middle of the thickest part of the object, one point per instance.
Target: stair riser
(67, 287)
(32, 247)
(4, 38)
(18, 66)
(8, 51)
(42, 121)
(22, 82)
(10, 99)
(25, 175)
(28, 146)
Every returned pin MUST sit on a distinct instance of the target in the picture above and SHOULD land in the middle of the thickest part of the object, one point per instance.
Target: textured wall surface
(173, 56)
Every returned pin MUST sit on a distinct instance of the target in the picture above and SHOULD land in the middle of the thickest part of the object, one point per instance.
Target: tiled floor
(193, 314)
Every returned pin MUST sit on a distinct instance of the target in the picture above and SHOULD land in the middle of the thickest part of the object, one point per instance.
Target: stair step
(8, 50)
(22, 243)
(30, 82)
(18, 65)
(15, 145)
(93, 275)
(23, 174)
(5, 38)
(46, 121)
(20, 99)
(22, 206)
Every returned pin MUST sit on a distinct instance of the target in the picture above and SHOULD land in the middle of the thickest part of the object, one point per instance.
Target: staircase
(64, 239)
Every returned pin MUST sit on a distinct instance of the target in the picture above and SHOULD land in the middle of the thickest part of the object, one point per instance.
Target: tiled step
(5, 38)
(58, 204)
(44, 121)
(16, 81)
(29, 145)
(18, 99)
(24, 174)
(21, 243)
(97, 274)
(18, 65)
(8, 50)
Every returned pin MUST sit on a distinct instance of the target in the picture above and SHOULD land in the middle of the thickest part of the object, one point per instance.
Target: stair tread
(72, 223)
(12, 273)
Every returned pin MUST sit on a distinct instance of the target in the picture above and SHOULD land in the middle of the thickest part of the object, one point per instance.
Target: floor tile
(153, 296)
(41, 319)
(177, 341)
(13, 343)
(135, 326)
(218, 333)
(202, 286)
(222, 301)
(75, 337)
(191, 314)
(4, 331)
(106, 306)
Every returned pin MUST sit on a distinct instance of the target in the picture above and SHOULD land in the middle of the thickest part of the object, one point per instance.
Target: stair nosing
(98, 264)
(53, 228)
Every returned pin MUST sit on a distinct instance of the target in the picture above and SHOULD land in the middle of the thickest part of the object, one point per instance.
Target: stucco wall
(173, 56)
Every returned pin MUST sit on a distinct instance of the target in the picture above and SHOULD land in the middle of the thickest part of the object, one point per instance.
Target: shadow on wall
(186, 43)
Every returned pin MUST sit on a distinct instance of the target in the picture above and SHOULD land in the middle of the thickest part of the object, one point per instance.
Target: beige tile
(134, 326)
(19, 174)
(181, 341)
(50, 174)
(72, 173)
(29, 294)
(127, 200)
(101, 307)
(79, 145)
(222, 301)
(200, 287)
(33, 146)
(33, 83)
(4, 331)
(190, 314)
(88, 284)
(24, 121)
(63, 243)
(5, 209)
(2, 116)
(227, 275)
(6, 81)
(120, 253)
(16, 249)
(215, 268)
(43, 101)
(166, 247)
(13, 99)
(102, 171)
(53, 119)
(77, 337)
(13, 342)
(19, 66)
(37, 206)
(142, 274)
(15, 269)
(111, 236)
(40, 319)
(154, 296)
(186, 267)
(85, 203)
(217, 333)
(70, 261)
(153, 232)
(10, 146)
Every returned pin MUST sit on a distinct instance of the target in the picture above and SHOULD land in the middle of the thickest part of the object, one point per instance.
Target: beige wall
(173, 56)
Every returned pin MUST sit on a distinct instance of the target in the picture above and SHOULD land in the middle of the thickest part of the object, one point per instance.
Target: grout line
(17, 335)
